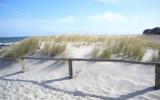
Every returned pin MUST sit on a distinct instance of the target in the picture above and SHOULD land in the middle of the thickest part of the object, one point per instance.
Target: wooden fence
(70, 60)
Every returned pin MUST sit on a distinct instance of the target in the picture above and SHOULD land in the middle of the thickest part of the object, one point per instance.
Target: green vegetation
(54, 50)
(156, 57)
(125, 47)
(95, 53)
(26, 46)
(106, 53)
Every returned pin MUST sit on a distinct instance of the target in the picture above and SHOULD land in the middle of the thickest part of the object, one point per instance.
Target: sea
(4, 40)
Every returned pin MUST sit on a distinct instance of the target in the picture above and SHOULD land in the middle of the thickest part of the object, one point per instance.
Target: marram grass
(54, 49)
(133, 46)
(17, 50)
(127, 47)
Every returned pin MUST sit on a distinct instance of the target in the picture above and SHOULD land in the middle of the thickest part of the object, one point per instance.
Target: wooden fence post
(157, 76)
(70, 69)
(22, 64)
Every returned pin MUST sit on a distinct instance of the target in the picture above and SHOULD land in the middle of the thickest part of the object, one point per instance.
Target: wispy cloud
(69, 19)
(104, 17)
(110, 1)
(108, 16)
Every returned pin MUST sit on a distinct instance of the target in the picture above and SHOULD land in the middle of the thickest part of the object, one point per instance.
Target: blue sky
(49, 17)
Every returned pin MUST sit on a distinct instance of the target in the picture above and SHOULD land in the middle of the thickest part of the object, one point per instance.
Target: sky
(50, 17)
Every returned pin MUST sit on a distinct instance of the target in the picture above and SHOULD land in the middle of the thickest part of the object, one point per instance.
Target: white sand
(47, 80)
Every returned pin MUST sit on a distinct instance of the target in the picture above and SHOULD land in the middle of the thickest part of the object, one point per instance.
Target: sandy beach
(48, 80)
(79, 50)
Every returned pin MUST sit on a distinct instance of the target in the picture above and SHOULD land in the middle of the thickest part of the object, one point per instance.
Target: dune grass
(54, 49)
(17, 50)
(128, 47)
(106, 53)
(95, 53)
(156, 58)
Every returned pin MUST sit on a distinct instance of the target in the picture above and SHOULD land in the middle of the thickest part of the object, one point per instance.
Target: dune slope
(48, 80)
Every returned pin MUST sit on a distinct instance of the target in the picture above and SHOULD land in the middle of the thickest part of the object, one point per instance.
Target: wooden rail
(70, 60)
(95, 60)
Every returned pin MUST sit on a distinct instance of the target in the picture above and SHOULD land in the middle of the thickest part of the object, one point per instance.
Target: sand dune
(48, 80)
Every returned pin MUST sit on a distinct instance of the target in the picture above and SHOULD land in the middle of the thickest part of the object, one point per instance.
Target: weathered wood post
(22, 64)
(70, 69)
(157, 76)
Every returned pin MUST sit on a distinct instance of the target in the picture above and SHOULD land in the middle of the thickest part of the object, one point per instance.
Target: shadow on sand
(4, 63)
(77, 93)
(11, 74)
(55, 65)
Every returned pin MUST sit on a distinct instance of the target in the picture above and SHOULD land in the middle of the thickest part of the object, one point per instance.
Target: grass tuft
(20, 49)
(129, 47)
(54, 50)
(95, 53)
(106, 53)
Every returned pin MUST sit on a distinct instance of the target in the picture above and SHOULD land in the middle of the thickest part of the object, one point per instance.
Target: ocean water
(11, 39)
